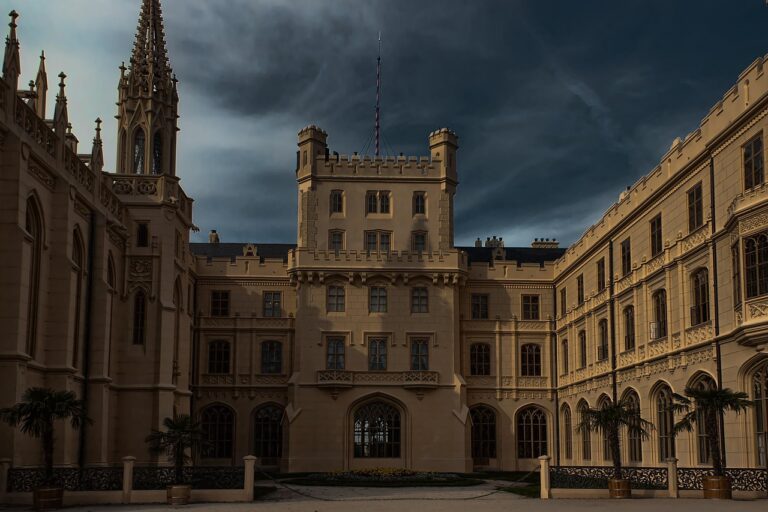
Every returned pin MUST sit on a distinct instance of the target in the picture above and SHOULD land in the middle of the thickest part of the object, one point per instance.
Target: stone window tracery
(377, 431)
(531, 433)
(483, 435)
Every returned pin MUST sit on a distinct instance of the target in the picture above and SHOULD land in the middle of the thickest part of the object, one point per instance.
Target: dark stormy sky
(559, 105)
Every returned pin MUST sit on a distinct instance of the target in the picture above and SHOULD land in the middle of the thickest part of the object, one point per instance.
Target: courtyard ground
(480, 498)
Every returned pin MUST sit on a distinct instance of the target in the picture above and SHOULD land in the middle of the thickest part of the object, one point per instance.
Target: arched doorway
(483, 435)
(268, 434)
(377, 435)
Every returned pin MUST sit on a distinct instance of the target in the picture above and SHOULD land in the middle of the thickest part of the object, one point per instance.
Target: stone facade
(374, 340)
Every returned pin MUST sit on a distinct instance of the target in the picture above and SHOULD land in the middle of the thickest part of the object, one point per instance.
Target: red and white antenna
(378, 99)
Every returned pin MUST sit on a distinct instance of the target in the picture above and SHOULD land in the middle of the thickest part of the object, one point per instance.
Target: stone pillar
(250, 467)
(128, 463)
(546, 492)
(5, 465)
(672, 477)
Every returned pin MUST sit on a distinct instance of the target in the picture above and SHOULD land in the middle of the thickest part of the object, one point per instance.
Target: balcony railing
(408, 379)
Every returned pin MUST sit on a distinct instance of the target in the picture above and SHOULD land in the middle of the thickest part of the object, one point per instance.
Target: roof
(221, 250)
(519, 254)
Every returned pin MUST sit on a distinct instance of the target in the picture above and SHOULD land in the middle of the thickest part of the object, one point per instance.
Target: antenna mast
(378, 99)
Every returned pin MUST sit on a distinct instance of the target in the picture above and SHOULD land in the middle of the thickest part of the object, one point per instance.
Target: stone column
(5, 466)
(672, 477)
(250, 467)
(128, 463)
(546, 492)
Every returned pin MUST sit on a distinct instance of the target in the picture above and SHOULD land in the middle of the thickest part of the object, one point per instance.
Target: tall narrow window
(377, 431)
(665, 423)
(760, 397)
(78, 261)
(601, 274)
(700, 296)
(220, 303)
(756, 264)
(271, 357)
(580, 288)
(626, 257)
(336, 240)
(586, 435)
(377, 354)
(419, 299)
(753, 162)
(531, 433)
(157, 153)
(483, 433)
(139, 144)
(629, 329)
(268, 434)
(480, 359)
(656, 237)
(702, 437)
(34, 227)
(736, 275)
(336, 298)
(419, 241)
(635, 440)
(695, 208)
(563, 302)
(337, 201)
(377, 299)
(142, 234)
(219, 357)
(564, 356)
(530, 360)
(530, 307)
(384, 201)
(479, 306)
(659, 314)
(218, 426)
(334, 353)
(602, 340)
(273, 304)
(419, 203)
(602, 404)
(419, 354)
(384, 241)
(371, 241)
(139, 317)
(371, 204)
(567, 432)
(582, 349)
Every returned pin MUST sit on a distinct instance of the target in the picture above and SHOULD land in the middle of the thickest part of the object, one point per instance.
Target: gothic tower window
(483, 433)
(139, 144)
(157, 153)
(139, 317)
(34, 227)
(531, 433)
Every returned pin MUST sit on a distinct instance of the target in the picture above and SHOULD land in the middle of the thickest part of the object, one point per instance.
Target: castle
(373, 341)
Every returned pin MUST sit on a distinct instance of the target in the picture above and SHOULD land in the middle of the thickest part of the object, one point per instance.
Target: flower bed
(385, 477)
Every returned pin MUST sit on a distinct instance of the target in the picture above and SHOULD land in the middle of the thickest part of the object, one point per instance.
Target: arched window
(632, 402)
(483, 434)
(602, 340)
(760, 397)
(700, 297)
(157, 153)
(602, 404)
(530, 360)
(531, 433)
(665, 423)
(139, 317)
(480, 359)
(756, 264)
(704, 382)
(567, 431)
(271, 357)
(139, 144)
(582, 349)
(377, 431)
(78, 260)
(268, 433)
(660, 314)
(218, 357)
(218, 425)
(34, 227)
(586, 435)
(565, 355)
(629, 329)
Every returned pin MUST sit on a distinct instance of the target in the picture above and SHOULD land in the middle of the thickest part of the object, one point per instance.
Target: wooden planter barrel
(619, 488)
(178, 494)
(717, 487)
(48, 498)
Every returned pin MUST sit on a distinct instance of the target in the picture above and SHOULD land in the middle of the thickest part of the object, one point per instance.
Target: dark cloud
(558, 105)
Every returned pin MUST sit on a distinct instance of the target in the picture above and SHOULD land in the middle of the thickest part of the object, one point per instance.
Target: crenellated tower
(147, 108)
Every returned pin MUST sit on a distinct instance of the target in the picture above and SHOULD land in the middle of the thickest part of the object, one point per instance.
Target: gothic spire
(60, 116)
(41, 86)
(150, 69)
(12, 62)
(97, 152)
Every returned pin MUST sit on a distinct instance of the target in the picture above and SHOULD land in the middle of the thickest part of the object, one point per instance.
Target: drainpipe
(554, 376)
(87, 334)
(613, 322)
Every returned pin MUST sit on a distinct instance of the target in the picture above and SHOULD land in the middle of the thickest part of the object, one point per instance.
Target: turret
(312, 145)
(443, 144)
(41, 88)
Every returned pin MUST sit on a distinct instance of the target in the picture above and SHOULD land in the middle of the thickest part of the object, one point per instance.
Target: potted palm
(707, 405)
(609, 419)
(181, 436)
(36, 415)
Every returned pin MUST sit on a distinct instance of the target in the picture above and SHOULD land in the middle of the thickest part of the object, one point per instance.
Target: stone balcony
(411, 379)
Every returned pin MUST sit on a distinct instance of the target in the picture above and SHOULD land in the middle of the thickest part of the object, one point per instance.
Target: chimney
(213, 237)
(541, 243)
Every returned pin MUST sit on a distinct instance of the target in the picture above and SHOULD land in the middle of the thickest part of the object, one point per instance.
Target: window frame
(657, 238)
(377, 353)
(479, 306)
(272, 308)
(530, 304)
(220, 304)
(659, 304)
(415, 236)
(219, 357)
(630, 341)
(480, 359)
(580, 288)
(756, 156)
(626, 256)
(419, 301)
(335, 302)
(695, 196)
(531, 360)
(271, 357)
(337, 202)
(332, 243)
(419, 203)
(419, 354)
(375, 303)
(700, 300)
(335, 352)
(601, 274)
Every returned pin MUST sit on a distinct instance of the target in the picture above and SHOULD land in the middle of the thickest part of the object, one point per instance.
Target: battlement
(751, 87)
(312, 132)
(443, 135)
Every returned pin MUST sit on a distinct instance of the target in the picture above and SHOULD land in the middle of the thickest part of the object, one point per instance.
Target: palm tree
(36, 413)
(181, 434)
(609, 419)
(710, 403)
